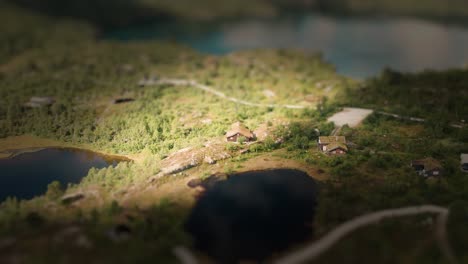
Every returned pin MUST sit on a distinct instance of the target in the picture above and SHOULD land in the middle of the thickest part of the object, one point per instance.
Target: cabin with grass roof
(238, 131)
(333, 145)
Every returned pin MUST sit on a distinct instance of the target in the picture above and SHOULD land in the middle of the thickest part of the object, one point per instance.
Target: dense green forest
(438, 96)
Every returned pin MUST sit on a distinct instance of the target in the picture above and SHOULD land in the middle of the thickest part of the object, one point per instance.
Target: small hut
(333, 145)
(427, 167)
(464, 162)
(36, 102)
(237, 131)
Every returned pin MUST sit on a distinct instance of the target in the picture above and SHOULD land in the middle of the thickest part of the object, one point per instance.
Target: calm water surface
(27, 175)
(254, 214)
(359, 47)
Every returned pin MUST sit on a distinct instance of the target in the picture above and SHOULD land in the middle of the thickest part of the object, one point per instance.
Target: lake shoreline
(13, 146)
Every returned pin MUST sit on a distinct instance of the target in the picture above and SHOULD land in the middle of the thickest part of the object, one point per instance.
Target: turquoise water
(359, 47)
(27, 175)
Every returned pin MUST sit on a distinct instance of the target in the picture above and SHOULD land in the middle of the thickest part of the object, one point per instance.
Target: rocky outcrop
(72, 198)
(262, 132)
(187, 158)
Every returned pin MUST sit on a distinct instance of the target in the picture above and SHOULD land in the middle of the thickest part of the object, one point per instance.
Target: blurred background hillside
(111, 13)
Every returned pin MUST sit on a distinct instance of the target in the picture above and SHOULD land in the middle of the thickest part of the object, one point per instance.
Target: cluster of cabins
(331, 145)
(337, 145)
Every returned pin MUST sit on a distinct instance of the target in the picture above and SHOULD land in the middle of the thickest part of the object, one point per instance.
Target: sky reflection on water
(359, 47)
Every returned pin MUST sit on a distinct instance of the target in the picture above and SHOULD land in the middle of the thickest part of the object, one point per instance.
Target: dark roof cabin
(239, 130)
(464, 162)
(427, 167)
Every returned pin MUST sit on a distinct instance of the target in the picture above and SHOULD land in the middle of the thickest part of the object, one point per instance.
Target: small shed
(239, 130)
(333, 145)
(36, 101)
(427, 167)
(464, 162)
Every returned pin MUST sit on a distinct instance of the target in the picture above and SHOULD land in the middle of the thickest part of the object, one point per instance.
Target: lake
(27, 175)
(252, 215)
(358, 47)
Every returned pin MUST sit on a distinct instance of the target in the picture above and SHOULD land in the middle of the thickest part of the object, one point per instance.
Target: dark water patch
(359, 47)
(253, 215)
(27, 175)
(103, 13)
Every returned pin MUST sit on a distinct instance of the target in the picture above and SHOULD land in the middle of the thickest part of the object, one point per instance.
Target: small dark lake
(27, 175)
(254, 214)
(357, 46)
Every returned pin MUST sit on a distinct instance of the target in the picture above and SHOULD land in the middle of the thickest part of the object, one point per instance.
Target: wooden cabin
(333, 145)
(427, 167)
(237, 131)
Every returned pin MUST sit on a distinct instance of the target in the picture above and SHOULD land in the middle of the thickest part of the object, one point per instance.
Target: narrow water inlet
(253, 215)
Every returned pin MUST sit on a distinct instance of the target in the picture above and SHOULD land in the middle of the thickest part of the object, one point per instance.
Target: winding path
(208, 89)
(414, 119)
(179, 82)
(316, 249)
(319, 247)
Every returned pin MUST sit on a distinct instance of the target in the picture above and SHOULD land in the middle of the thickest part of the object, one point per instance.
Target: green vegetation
(41, 57)
(54, 190)
(65, 61)
(438, 96)
(376, 175)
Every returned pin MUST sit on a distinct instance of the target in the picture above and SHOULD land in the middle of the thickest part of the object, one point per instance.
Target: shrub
(232, 147)
(54, 190)
(114, 208)
(241, 139)
(34, 220)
